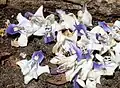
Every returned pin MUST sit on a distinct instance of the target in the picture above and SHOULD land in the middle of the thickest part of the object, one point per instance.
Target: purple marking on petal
(78, 52)
(39, 54)
(88, 55)
(97, 36)
(10, 29)
(75, 84)
(97, 66)
(48, 39)
(28, 14)
(104, 26)
(81, 27)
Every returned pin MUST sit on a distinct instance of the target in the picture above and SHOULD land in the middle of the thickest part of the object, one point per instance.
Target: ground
(10, 74)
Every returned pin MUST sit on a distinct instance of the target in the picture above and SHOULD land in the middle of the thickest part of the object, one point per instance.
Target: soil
(10, 73)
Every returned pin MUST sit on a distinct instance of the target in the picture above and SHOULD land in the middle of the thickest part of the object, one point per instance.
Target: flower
(67, 20)
(64, 42)
(31, 68)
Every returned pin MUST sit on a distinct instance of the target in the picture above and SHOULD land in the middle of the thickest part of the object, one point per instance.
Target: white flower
(64, 42)
(31, 68)
(85, 17)
(68, 20)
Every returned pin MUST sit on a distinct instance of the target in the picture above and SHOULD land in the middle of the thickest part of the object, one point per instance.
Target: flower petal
(39, 12)
(80, 27)
(31, 68)
(28, 15)
(78, 52)
(90, 83)
(117, 24)
(96, 65)
(81, 82)
(22, 20)
(40, 56)
(23, 66)
(48, 39)
(23, 40)
(10, 29)
(75, 83)
(99, 30)
(85, 70)
(100, 58)
(104, 26)
(86, 17)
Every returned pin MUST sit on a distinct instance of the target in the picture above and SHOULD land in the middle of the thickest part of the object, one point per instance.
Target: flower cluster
(83, 55)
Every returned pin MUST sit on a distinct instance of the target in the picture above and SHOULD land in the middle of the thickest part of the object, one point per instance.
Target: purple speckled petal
(28, 14)
(10, 29)
(48, 39)
(81, 27)
(97, 66)
(39, 54)
(104, 26)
